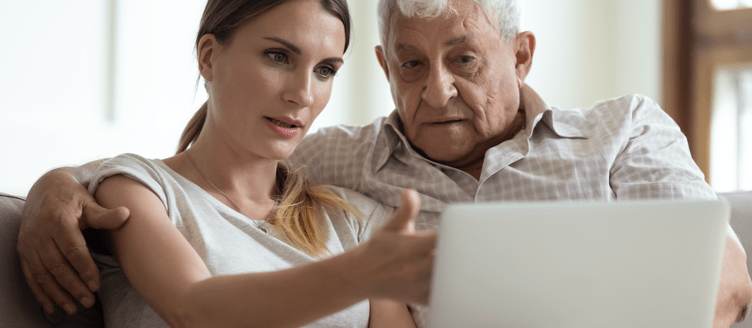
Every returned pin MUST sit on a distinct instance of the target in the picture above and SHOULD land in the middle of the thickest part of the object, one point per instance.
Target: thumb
(98, 217)
(403, 219)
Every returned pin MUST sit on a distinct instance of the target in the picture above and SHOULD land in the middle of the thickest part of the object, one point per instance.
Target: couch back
(18, 307)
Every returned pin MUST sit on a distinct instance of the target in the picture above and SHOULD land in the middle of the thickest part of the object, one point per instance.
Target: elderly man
(466, 128)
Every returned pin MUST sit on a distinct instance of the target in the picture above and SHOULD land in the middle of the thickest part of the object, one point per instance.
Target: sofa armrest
(18, 306)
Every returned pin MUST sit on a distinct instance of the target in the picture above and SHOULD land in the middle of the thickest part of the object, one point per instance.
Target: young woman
(224, 233)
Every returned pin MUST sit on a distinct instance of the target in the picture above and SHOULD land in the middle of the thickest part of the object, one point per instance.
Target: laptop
(626, 264)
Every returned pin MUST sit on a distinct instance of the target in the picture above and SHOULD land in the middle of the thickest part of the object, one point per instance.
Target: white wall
(590, 50)
(54, 108)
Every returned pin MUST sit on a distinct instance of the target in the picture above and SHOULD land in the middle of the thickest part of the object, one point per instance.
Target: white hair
(505, 10)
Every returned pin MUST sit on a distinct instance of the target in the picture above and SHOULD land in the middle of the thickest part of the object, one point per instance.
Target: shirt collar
(536, 110)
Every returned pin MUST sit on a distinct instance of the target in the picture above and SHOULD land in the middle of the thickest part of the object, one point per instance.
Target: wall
(56, 109)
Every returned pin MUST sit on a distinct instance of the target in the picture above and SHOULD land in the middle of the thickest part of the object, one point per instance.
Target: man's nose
(439, 86)
(299, 90)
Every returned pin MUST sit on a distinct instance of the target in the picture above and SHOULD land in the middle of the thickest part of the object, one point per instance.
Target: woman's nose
(300, 90)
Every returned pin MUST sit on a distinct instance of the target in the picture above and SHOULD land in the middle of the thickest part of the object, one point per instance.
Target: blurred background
(89, 79)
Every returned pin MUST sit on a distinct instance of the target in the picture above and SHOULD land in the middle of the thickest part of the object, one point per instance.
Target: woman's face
(268, 84)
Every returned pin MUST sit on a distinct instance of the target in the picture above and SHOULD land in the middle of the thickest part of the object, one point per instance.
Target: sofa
(19, 308)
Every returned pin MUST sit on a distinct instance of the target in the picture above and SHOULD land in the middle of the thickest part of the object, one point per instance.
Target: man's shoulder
(627, 110)
(349, 133)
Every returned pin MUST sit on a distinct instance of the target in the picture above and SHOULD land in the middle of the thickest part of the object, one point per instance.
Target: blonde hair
(295, 215)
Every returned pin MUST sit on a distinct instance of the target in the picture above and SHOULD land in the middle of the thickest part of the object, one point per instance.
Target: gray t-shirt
(227, 241)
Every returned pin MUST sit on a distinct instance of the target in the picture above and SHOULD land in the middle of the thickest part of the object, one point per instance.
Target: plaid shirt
(619, 149)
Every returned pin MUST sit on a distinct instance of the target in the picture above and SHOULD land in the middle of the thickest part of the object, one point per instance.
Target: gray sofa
(19, 308)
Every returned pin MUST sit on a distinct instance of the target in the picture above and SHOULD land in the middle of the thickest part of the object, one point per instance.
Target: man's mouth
(447, 122)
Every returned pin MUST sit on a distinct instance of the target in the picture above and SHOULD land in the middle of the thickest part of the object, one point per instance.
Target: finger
(46, 280)
(66, 277)
(73, 248)
(98, 217)
(37, 290)
(403, 218)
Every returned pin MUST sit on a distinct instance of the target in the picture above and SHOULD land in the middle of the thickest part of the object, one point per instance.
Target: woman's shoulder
(149, 172)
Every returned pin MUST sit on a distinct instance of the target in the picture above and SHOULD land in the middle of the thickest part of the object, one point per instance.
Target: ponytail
(193, 129)
(296, 217)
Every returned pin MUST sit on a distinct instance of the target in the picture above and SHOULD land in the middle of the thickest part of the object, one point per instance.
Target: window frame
(699, 39)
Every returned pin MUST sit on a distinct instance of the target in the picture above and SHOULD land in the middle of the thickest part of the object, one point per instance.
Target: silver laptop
(628, 264)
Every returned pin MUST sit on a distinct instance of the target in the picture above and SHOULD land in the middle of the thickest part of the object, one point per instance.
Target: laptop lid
(626, 264)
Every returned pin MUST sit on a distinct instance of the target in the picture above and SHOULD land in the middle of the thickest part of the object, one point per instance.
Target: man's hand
(735, 288)
(53, 252)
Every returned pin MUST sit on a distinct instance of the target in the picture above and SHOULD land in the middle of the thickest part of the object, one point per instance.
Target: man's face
(454, 81)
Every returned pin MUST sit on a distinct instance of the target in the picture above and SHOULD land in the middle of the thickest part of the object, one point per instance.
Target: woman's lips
(282, 129)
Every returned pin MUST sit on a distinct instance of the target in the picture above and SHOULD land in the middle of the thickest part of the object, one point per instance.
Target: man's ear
(381, 56)
(207, 52)
(525, 48)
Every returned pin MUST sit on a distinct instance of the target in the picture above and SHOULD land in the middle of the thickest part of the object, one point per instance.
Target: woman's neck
(247, 179)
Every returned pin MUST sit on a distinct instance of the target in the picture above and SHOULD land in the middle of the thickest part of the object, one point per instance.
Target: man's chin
(445, 155)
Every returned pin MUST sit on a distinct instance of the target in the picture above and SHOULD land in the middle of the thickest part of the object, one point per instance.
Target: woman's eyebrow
(287, 44)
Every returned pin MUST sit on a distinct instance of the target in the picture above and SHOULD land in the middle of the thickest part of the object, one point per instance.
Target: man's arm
(53, 252)
(656, 164)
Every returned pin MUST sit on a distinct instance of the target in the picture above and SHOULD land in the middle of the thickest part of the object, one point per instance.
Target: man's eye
(465, 59)
(277, 57)
(410, 64)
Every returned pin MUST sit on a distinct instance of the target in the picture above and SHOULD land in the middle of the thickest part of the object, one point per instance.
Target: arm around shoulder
(51, 247)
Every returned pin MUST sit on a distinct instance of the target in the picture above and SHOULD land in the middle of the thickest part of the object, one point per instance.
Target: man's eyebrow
(456, 41)
(287, 44)
(401, 47)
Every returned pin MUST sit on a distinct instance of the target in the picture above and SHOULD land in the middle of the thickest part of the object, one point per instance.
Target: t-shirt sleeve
(135, 167)
(374, 214)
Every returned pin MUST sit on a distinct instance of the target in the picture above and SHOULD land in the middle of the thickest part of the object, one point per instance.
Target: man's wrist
(85, 173)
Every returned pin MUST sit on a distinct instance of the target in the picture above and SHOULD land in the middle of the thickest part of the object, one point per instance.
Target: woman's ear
(525, 48)
(207, 51)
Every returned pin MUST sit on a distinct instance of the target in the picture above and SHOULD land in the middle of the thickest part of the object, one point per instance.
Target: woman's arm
(50, 244)
(172, 278)
(387, 313)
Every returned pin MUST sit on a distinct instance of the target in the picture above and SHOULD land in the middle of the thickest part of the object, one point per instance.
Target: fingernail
(70, 308)
(49, 308)
(87, 302)
(92, 286)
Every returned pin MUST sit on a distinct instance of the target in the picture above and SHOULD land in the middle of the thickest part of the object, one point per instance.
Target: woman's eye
(326, 71)
(277, 57)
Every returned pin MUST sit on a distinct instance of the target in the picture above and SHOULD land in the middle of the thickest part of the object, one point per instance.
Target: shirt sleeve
(337, 155)
(656, 163)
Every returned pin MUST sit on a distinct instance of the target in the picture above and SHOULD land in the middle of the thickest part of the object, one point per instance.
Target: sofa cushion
(18, 307)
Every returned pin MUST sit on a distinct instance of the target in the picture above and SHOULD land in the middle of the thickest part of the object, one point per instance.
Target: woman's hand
(53, 252)
(397, 261)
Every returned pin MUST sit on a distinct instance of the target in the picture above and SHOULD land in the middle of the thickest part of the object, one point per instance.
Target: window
(731, 4)
(708, 82)
(730, 142)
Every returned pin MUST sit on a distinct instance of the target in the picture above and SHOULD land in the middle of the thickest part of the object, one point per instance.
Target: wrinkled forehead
(461, 21)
